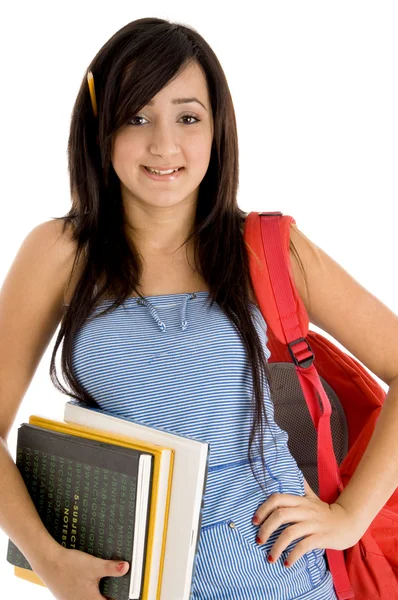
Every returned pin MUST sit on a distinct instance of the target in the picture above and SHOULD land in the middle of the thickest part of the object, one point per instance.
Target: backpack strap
(261, 269)
(267, 236)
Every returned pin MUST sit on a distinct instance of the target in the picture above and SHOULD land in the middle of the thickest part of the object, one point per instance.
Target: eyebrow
(182, 101)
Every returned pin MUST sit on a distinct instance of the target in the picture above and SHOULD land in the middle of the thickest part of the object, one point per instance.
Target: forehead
(191, 82)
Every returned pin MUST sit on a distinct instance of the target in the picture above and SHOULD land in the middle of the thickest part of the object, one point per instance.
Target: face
(164, 133)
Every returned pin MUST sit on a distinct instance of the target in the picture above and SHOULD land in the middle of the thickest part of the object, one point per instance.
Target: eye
(183, 117)
(191, 117)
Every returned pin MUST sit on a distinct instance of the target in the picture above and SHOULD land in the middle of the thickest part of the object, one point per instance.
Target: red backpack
(311, 371)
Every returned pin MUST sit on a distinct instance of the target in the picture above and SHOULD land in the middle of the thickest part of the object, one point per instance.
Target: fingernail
(255, 521)
(120, 566)
(258, 540)
(269, 558)
(286, 563)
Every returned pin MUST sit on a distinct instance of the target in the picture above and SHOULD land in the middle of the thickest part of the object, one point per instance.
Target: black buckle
(271, 214)
(306, 362)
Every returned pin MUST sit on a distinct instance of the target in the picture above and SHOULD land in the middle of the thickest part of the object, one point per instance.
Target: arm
(30, 311)
(333, 300)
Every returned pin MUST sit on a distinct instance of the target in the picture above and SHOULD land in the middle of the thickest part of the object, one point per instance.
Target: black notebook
(91, 496)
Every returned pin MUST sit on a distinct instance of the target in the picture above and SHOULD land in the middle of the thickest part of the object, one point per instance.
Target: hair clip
(90, 81)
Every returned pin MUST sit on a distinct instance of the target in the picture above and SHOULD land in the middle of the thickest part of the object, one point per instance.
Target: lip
(164, 168)
(165, 178)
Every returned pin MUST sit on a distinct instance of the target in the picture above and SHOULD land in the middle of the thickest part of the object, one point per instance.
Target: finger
(282, 516)
(274, 502)
(110, 567)
(294, 533)
(306, 545)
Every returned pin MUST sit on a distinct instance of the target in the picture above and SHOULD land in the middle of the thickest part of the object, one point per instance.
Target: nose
(164, 139)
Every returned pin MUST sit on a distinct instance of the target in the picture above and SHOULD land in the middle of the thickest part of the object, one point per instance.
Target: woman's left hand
(321, 525)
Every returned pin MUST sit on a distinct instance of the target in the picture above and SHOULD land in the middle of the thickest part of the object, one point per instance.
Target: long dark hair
(133, 66)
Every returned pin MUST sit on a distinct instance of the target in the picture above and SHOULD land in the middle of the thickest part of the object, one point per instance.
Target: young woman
(149, 277)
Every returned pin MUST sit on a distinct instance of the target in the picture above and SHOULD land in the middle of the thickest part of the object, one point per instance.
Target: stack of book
(118, 489)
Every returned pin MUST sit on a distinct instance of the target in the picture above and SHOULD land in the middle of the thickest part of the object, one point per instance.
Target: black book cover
(85, 493)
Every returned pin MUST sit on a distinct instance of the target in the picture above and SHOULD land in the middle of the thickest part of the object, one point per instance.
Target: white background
(315, 90)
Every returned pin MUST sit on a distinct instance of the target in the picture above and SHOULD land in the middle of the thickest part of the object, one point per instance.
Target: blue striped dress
(174, 362)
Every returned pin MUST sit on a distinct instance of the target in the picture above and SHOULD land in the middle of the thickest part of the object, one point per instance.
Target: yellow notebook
(157, 517)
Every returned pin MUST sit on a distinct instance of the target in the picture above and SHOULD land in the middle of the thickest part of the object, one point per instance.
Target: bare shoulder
(39, 274)
(41, 269)
(57, 244)
(66, 253)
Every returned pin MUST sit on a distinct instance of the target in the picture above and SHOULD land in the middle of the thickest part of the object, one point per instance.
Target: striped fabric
(174, 362)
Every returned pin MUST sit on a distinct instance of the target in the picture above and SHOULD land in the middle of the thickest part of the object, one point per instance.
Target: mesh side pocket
(292, 415)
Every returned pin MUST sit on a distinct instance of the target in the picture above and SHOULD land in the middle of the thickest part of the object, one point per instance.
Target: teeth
(161, 172)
